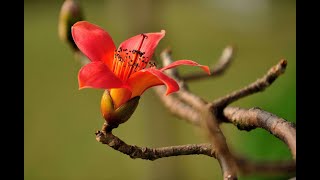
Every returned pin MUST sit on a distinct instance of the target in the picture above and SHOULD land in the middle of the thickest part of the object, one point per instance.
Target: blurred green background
(60, 120)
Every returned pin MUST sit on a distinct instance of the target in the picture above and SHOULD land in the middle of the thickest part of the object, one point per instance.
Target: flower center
(126, 62)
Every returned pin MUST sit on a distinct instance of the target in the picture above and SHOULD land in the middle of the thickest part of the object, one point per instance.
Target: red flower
(127, 71)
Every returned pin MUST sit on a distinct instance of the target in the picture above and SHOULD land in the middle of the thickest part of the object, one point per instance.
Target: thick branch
(222, 153)
(217, 69)
(225, 158)
(245, 166)
(257, 86)
(247, 119)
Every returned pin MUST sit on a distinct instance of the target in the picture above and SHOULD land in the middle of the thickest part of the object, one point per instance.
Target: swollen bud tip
(113, 116)
(70, 13)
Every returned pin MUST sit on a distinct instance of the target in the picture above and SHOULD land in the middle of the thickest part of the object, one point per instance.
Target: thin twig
(152, 153)
(254, 87)
(217, 69)
(247, 119)
(179, 108)
(184, 94)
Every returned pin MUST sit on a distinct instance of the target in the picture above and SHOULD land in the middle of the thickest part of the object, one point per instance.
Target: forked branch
(209, 115)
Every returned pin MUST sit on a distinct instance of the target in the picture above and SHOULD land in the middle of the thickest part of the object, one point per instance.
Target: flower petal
(94, 42)
(147, 78)
(98, 75)
(145, 43)
(186, 62)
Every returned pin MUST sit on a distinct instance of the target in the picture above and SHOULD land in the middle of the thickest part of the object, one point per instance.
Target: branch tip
(258, 86)
(216, 69)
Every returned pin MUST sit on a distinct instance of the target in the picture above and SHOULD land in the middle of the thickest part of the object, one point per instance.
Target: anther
(144, 36)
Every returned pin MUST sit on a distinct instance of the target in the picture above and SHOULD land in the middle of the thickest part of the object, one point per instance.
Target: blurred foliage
(60, 120)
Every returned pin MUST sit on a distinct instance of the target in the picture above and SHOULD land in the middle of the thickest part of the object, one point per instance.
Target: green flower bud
(113, 116)
(70, 13)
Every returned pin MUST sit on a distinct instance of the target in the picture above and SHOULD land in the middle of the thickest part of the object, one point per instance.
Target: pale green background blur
(60, 120)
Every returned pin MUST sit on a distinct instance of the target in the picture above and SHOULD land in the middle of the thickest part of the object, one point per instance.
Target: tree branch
(217, 69)
(245, 166)
(222, 153)
(254, 87)
(182, 108)
(266, 167)
(225, 158)
(178, 107)
(194, 109)
(248, 119)
(184, 94)
(152, 153)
